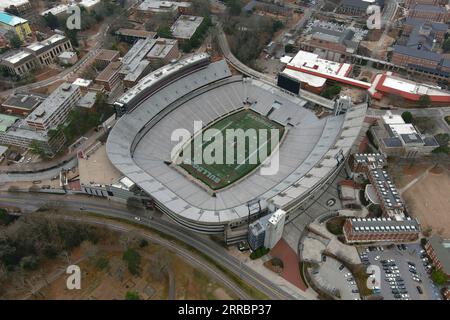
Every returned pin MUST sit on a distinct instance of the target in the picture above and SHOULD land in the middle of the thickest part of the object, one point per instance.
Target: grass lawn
(335, 225)
(220, 174)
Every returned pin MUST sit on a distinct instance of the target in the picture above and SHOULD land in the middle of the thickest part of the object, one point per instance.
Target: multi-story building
(105, 57)
(358, 7)
(439, 252)
(37, 55)
(382, 191)
(20, 63)
(274, 228)
(109, 78)
(185, 27)
(428, 12)
(21, 104)
(150, 7)
(47, 51)
(55, 109)
(15, 132)
(332, 41)
(257, 232)
(394, 137)
(425, 32)
(409, 3)
(135, 64)
(164, 50)
(360, 230)
(132, 35)
(362, 162)
(22, 8)
(15, 25)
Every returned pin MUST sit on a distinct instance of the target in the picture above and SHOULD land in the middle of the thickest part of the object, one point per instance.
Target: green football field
(219, 175)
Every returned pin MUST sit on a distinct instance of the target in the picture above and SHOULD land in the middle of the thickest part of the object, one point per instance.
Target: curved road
(199, 242)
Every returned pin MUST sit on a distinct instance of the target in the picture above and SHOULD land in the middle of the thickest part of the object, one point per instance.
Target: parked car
(419, 290)
(341, 267)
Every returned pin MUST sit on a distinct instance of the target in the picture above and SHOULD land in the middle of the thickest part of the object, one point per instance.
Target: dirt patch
(437, 170)
(428, 200)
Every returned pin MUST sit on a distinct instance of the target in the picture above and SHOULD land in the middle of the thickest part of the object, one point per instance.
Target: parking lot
(334, 276)
(402, 271)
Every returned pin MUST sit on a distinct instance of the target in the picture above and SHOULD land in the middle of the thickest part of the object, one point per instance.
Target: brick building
(429, 12)
(439, 252)
(360, 230)
(109, 78)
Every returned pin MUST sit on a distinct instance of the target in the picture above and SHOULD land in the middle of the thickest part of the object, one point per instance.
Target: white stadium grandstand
(197, 89)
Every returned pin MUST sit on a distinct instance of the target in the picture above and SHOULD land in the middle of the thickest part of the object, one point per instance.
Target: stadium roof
(136, 144)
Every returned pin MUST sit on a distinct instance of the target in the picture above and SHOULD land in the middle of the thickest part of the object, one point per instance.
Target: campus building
(361, 162)
(439, 252)
(394, 137)
(109, 78)
(135, 64)
(428, 12)
(274, 229)
(332, 41)
(132, 35)
(21, 104)
(15, 25)
(105, 57)
(164, 51)
(257, 232)
(150, 7)
(47, 51)
(185, 27)
(358, 7)
(15, 132)
(55, 109)
(310, 72)
(37, 55)
(361, 230)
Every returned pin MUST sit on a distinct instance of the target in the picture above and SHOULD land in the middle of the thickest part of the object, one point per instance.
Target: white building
(55, 109)
(274, 229)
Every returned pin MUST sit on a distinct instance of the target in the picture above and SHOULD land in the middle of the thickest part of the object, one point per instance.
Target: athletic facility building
(311, 150)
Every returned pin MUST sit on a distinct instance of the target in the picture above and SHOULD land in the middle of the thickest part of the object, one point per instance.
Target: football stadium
(222, 197)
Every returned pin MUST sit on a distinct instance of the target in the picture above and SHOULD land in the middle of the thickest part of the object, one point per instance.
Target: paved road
(203, 244)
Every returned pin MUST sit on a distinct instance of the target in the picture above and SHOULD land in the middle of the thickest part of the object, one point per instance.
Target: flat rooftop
(161, 6)
(161, 48)
(138, 52)
(6, 121)
(18, 57)
(23, 101)
(46, 44)
(185, 26)
(136, 33)
(110, 70)
(386, 189)
(382, 225)
(107, 55)
(52, 103)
